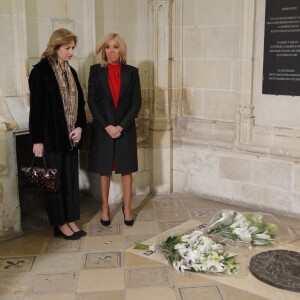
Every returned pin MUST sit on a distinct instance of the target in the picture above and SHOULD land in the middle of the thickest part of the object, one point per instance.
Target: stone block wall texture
(222, 78)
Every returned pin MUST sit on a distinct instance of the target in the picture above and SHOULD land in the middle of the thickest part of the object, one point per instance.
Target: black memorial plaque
(279, 268)
(281, 67)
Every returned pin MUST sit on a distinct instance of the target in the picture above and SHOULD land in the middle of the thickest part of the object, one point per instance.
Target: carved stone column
(245, 117)
(160, 12)
(88, 45)
(13, 107)
(20, 49)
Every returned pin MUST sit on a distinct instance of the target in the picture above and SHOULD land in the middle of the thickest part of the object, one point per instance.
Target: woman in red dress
(114, 99)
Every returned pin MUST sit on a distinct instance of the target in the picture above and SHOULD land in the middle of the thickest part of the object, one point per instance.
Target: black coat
(105, 149)
(47, 122)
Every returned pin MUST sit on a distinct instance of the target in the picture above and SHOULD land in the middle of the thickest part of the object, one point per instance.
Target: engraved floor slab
(102, 260)
(16, 264)
(139, 277)
(205, 213)
(168, 204)
(98, 229)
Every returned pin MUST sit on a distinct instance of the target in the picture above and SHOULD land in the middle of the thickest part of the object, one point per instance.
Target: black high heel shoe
(127, 222)
(80, 232)
(105, 222)
(57, 232)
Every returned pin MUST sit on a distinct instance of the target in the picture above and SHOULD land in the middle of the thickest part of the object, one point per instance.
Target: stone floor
(38, 266)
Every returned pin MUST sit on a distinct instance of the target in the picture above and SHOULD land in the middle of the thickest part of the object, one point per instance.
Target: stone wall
(10, 223)
(240, 146)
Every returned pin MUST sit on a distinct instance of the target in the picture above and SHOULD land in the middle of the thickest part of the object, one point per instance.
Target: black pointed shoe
(81, 233)
(58, 233)
(127, 222)
(105, 222)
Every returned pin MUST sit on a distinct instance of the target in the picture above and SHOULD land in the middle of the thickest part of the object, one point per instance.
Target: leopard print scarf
(69, 93)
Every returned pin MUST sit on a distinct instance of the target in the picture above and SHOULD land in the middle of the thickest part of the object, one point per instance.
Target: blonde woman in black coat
(56, 121)
(114, 99)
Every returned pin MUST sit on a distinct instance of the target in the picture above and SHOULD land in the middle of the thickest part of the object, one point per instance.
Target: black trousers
(63, 206)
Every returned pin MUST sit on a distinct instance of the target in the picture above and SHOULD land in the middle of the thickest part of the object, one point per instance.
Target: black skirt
(63, 206)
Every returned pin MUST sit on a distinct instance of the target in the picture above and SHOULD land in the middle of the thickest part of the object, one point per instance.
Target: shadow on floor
(33, 212)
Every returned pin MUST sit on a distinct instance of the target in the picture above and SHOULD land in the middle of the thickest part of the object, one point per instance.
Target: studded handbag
(40, 177)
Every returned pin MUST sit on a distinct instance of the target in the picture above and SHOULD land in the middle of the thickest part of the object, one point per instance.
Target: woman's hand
(75, 135)
(113, 131)
(38, 150)
(120, 129)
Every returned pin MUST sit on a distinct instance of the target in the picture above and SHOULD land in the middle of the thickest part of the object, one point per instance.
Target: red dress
(114, 80)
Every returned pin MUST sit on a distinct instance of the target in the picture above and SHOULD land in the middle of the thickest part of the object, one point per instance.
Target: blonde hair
(101, 45)
(58, 38)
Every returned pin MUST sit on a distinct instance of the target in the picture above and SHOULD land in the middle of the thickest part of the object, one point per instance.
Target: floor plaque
(279, 268)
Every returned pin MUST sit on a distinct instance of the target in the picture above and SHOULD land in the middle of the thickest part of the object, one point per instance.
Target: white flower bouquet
(259, 229)
(196, 252)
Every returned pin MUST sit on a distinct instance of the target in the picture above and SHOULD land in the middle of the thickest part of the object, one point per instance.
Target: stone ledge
(273, 141)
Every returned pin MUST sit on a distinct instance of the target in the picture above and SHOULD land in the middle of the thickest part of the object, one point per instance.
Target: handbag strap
(33, 160)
